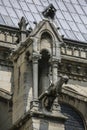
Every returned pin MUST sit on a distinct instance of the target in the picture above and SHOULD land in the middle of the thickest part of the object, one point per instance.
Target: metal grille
(74, 121)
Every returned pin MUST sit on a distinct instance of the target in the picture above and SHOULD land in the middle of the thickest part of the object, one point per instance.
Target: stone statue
(23, 30)
(52, 92)
(23, 24)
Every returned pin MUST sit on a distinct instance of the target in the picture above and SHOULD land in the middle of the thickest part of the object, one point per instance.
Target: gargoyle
(52, 92)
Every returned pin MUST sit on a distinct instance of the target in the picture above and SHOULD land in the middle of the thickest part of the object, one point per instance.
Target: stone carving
(49, 12)
(52, 92)
(23, 24)
(23, 30)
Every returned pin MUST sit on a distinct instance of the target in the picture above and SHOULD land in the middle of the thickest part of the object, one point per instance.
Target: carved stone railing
(75, 71)
(8, 34)
(74, 60)
(74, 49)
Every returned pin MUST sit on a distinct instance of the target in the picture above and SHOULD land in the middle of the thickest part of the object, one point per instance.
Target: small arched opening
(43, 71)
(46, 41)
(74, 121)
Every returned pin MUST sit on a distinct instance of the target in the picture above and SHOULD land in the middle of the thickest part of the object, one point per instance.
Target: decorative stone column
(35, 41)
(35, 102)
(35, 76)
(56, 107)
(54, 70)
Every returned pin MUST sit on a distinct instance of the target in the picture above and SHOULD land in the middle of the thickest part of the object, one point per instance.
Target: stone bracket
(34, 105)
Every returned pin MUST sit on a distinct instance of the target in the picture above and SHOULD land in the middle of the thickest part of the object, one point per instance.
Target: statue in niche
(52, 92)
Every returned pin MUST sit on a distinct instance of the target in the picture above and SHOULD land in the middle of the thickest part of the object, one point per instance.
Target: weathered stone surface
(23, 87)
(27, 78)
(5, 116)
(6, 78)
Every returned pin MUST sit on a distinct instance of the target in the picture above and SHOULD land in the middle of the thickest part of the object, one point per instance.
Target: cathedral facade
(43, 82)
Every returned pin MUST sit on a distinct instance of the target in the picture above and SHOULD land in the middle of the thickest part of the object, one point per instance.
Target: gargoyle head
(65, 78)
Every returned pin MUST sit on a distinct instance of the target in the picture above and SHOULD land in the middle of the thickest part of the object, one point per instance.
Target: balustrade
(74, 50)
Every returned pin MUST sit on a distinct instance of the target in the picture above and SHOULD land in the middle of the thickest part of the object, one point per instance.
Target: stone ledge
(7, 45)
(39, 115)
(75, 59)
(55, 116)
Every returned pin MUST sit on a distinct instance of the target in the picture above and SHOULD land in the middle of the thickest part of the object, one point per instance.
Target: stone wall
(22, 87)
(5, 116)
(5, 77)
(41, 123)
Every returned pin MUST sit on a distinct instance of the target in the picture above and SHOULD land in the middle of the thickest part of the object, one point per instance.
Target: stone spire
(22, 27)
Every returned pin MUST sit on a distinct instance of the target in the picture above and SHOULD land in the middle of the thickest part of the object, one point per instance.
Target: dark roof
(71, 15)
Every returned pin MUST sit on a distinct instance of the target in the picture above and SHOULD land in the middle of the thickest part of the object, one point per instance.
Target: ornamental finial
(49, 12)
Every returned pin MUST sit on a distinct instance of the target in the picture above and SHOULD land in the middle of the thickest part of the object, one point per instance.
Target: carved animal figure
(52, 92)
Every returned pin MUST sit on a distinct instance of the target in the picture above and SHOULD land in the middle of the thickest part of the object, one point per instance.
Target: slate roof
(71, 15)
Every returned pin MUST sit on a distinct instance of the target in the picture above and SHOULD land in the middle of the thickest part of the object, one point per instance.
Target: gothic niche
(46, 41)
(43, 72)
(44, 65)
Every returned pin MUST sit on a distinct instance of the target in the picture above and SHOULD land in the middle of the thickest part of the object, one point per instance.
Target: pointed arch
(47, 41)
(43, 71)
(75, 120)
